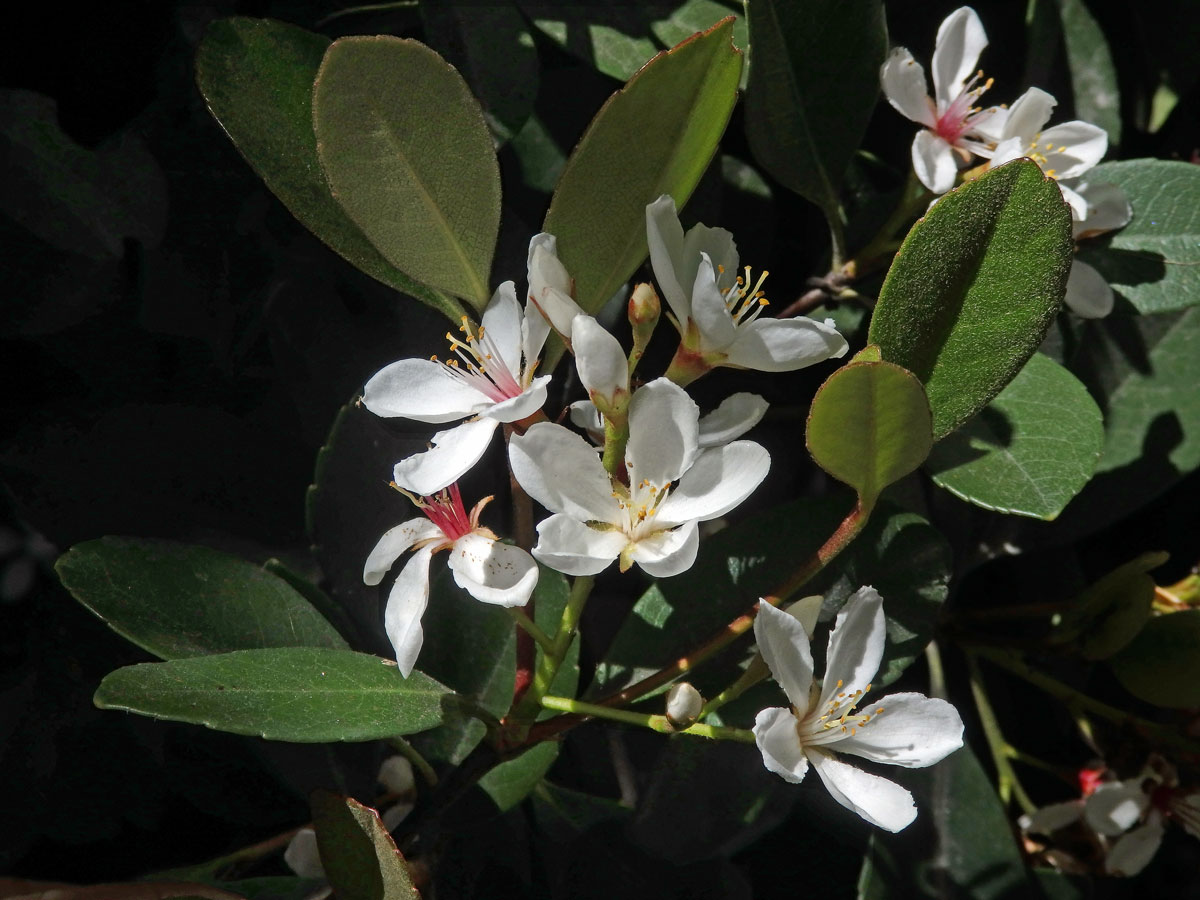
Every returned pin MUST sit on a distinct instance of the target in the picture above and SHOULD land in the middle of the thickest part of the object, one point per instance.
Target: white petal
(584, 415)
(664, 235)
(453, 453)
(501, 322)
(1107, 208)
(1133, 851)
(855, 645)
(785, 647)
(934, 161)
(559, 309)
(302, 855)
(1073, 147)
(570, 547)
(666, 553)
(1075, 201)
(664, 430)
(912, 731)
(718, 245)
(782, 753)
(493, 572)
(1050, 819)
(960, 40)
(1089, 296)
(719, 479)
(395, 814)
(784, 345)
(599, 359)
(881, 802)
(1027, 115)
(405, 606)
(904, 86)
(393, 544)
(561, 471)
(421, 389)
(709, 311)
(396, 775)
(524, 404)
(543, 266)
(1008, 150)
(1115, 807)
(990, 124)
(736, 415)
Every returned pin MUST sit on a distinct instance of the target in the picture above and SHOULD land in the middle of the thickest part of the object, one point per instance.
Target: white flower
(717, 310)
(485, 568)
(735, 415)
(1106, 209)
(651, 520)
(551, 288)
(490, 379)
(952, 121)
(908, 730)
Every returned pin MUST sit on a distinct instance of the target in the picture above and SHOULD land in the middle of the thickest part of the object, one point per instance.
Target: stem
(1008, 785)
(616, 436)
(754, 673)
(646, 720)
(913, 200)
(937, 674)
(530, 628)
(837, 237)
(409, 752)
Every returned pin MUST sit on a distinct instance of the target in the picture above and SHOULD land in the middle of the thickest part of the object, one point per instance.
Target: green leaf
(1154, 261)
(298, 694)
(179, 600)
(813, 87)
(974, 289)
(359, 856)
(409, 158)
(1093, 73)
(869, 426)
(1110, 613)
(510, 782)
(1162, 664)
(1030, 450)
(654, 136)
(257, 77)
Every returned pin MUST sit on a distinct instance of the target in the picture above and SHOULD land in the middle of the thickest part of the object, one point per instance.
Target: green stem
(616, 436)
(937, 674)
(1008, 785)
(530, 627)
(754, 673)
(646, 720)
(837, 237)
(914, 198)
(409, 752)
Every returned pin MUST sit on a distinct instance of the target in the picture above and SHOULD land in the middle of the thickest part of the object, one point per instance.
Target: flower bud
(396, 774)
(644, 307)
(683, 705)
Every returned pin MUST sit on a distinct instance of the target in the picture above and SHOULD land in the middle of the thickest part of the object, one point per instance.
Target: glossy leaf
(1162, 664)
(974, 288)
(179, 600)
(1093, 74)
(1154, 261)
(359, 856)
(1030, 450)
(295, 694)
(409, 158)
(813, 87)
(869, 426)
(257, 77)
(654, 136)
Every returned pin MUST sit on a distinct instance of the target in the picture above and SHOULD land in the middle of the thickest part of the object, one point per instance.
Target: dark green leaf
(974, 288)
(509, 783)
(655, 136)
(178, 600)
(1030, 450)
(1093, 74)
(295, 694)
(257, 78)
(359, 857)
(869, 426)
(562, 813)
(1111, 612)
(1154, 261)
(409, 158)
(1162, 664)
(813, 86)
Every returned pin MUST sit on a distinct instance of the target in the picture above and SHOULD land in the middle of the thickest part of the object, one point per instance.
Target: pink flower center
(961, 115)
(445, 510)
(480, 364)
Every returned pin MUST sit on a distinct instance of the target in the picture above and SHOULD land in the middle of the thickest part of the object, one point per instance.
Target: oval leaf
(1110, 613)
(298, 694)
(1162, 664)
(257, 77)
(409, 158)
(654, 136)
(974, 288)
(869, 426)
(359, 856)
(1031, 450)
(812, 89)
(178, 600)
(1093, 74)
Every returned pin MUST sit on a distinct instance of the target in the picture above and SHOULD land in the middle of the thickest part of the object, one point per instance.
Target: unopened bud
(683, 705)
(396, 774)
(644, 306)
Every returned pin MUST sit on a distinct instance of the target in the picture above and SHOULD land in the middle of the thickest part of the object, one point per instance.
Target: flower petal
(561, 471)
(493, 572)
(584, 415)
(960, 40)
(736, 415)
(782, 752)
(1027, 116)
(1133, 851)
(1115, 807)
(599, 359)
(667, 552)
(453, 453)
(881, 802)
(1107, 208)
(719, 479)
(405, 606)
(396, 775)
(709, 312)
(560, 310)
(718, 245)
(664, 430)
(501, 323)
(302, 856)
(664, 235)
(1050, 819)
(1072, 148)
(1089, 296)
(785, 647)
(933, 161)
(421, 389)
(568, 546)
(1008, 150)
(912, 731)
(524, 404)
(855, 645)
(784, 345)
(394, 543)
(905, 87)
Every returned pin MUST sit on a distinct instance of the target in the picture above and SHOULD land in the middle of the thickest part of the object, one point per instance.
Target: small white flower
(952, 121)
(650, 520)
(1106, 209)
(486, 569)
(908, 729)
(717, 310)
(735, 415)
